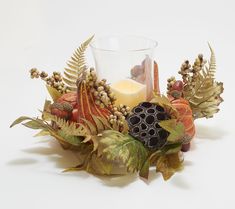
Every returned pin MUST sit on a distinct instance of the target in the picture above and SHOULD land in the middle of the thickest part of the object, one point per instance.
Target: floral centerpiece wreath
(115, 139)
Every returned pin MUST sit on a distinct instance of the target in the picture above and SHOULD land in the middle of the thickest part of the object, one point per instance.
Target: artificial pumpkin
(185, 115)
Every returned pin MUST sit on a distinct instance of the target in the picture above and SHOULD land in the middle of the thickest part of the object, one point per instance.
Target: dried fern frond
(212, 64)
(69, 128)
(86, 129)
(100, 125)
(204, 93)
(76, 66)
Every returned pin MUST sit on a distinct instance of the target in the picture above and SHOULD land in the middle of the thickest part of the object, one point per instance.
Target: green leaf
(168, 165)
(172, 148)
(122, 149)
(20, 120)
(68, 135)
(175, 129)
(53, 93)
(42, 133)
(34, 124)
(74, 140)
(144, 171)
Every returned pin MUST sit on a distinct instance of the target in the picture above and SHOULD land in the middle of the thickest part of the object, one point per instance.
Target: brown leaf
(168, 165)
(202, 91)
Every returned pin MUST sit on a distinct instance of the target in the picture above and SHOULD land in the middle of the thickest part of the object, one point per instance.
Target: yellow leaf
(168, 165)
(53, 93)
(175, 129)
(165, 102)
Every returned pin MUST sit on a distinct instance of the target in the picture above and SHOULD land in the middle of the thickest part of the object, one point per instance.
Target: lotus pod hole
(143, 115)
(151, 111)
(163, 134)
(138, 110)
(156, 142)
(136, 130)
(149, 119)
(143, 134)
(159, 108)
(161, 116)
(157, 125)
(146, 104)
(152, 132)
(134, 120)
(143, 126)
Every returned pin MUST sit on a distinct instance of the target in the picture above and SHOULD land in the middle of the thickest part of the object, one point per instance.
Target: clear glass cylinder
(127, 62)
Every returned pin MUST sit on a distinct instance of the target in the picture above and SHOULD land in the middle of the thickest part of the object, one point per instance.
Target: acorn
(62, 110)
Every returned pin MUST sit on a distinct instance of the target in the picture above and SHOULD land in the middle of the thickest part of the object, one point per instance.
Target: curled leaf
(20, 120)
(167, 165)
(175, 129)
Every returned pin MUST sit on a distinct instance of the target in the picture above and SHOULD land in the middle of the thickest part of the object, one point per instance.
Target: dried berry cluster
(190, 73)
(100, 89)
(54, 81)
(119, 114)
(170, 83)
(104, 97)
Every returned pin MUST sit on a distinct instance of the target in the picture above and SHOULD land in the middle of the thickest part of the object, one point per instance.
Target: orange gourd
(185, 115)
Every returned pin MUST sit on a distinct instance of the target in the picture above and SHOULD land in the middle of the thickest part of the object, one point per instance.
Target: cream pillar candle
(129, 92)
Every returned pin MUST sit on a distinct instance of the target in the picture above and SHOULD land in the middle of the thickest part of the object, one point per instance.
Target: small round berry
(178, 86)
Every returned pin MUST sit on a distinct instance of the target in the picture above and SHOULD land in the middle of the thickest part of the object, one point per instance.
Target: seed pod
(143, 124)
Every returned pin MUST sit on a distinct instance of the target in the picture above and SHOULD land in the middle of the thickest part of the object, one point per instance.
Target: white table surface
(44, 34)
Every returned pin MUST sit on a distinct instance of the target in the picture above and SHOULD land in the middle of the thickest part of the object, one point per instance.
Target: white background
(43, 34)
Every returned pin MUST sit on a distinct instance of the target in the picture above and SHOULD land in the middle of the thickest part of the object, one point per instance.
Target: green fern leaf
(71, 139)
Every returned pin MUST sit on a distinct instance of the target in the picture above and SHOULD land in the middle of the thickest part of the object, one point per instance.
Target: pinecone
(143, 125)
